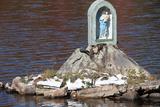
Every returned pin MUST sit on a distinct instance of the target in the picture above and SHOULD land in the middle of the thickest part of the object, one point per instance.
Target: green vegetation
(135, 77)
(49, 73)
(71, 75)
(25, 80)
(88, 84)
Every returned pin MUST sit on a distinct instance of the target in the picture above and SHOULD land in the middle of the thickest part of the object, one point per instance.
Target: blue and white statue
(104, 25)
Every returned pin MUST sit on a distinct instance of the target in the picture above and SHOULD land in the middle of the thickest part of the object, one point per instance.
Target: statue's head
(104, 12)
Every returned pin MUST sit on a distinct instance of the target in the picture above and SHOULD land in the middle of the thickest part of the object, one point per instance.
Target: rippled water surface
(40, 34)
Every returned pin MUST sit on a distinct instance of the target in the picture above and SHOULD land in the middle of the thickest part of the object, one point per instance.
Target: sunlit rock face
(21, 87)
(118, 80)
(102, 59)
(51, 82)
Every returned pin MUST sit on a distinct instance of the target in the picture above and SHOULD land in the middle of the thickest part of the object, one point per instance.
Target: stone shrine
(102, 23)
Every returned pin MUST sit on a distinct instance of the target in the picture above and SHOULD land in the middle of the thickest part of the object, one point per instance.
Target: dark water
(40, 34)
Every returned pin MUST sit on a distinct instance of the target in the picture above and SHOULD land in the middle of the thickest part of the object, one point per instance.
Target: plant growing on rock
(73, 76)
(135, 78)
(49, 73)
(25, 79)
(87, 84)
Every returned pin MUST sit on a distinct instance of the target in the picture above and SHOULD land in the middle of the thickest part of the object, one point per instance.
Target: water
(40, 34)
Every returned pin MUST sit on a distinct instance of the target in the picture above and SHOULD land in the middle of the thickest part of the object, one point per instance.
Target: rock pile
(97, 72)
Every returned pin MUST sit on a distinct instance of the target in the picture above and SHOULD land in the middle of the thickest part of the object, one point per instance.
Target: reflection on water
(40, 34)
(39, 101)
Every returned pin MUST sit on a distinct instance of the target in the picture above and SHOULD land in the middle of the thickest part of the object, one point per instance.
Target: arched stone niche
(102, 23)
